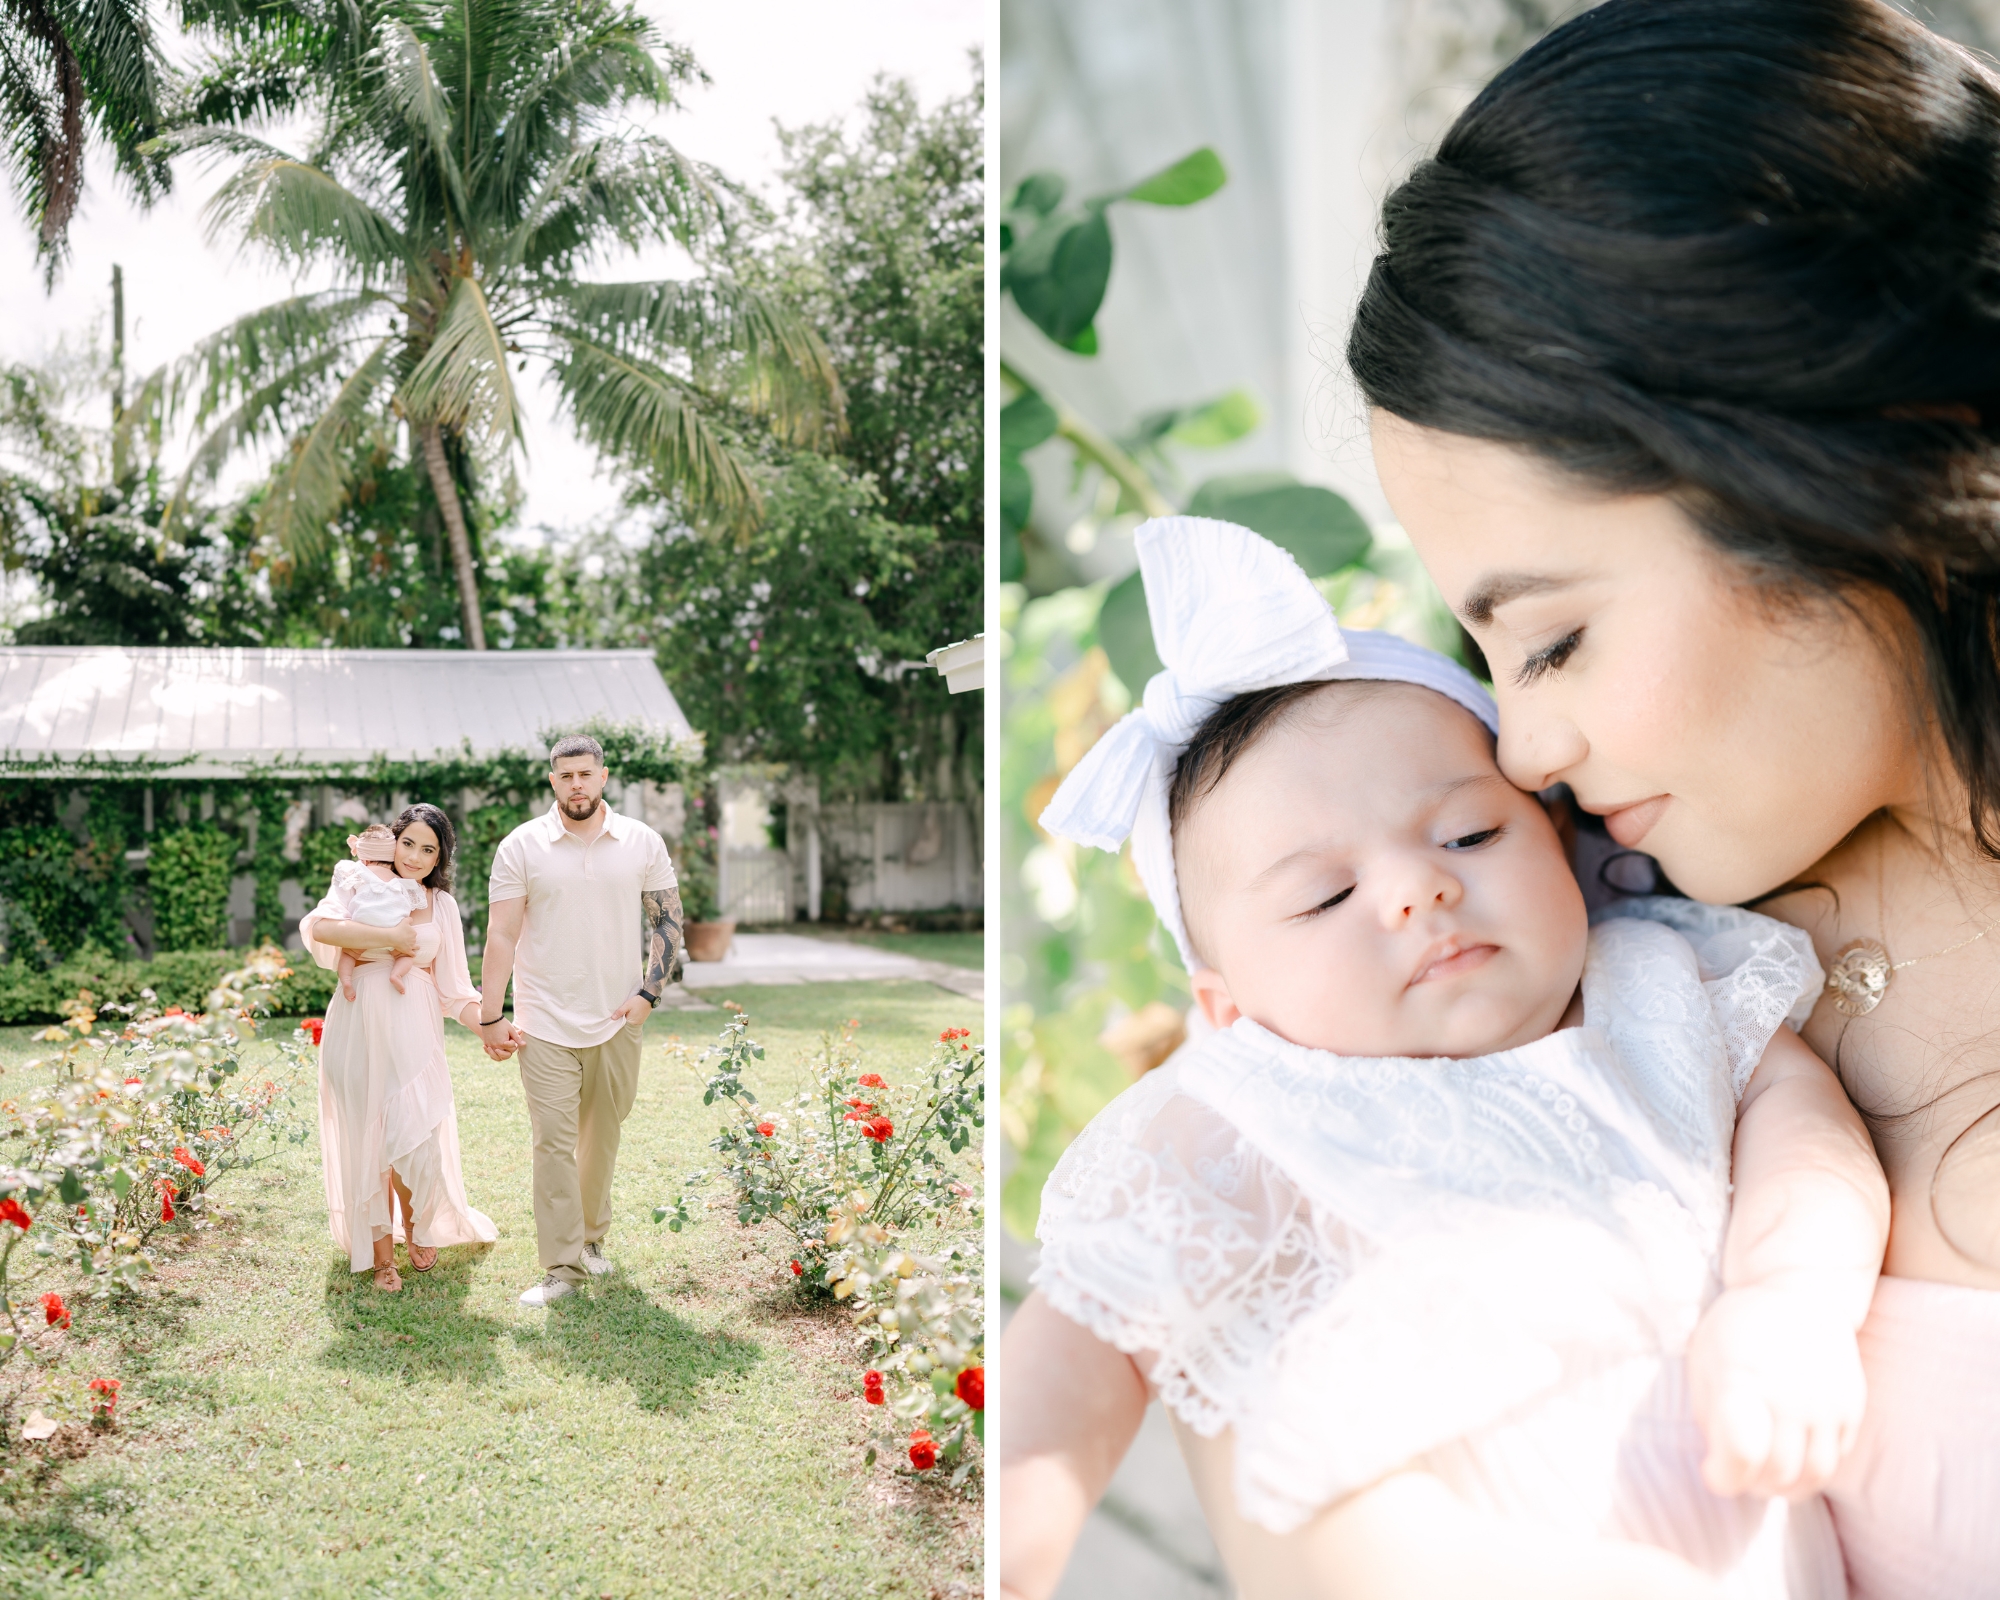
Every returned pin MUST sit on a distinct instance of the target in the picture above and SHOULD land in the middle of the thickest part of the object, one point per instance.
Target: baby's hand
(1778, 1390)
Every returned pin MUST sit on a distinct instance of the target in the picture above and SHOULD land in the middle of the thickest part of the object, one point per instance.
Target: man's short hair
(576, 744)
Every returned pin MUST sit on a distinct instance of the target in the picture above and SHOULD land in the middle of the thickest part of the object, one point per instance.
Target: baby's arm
(1069, 1408)
(1775, 1370)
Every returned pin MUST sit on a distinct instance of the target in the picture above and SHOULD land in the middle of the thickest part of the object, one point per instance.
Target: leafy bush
(140, 1112)
(923, 1318)
(477, 845)
(189, 870)
(181, 978)
(852, 1135)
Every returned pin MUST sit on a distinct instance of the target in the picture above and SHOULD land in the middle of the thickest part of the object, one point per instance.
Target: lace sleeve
(1759, 974)
(1168, 1237)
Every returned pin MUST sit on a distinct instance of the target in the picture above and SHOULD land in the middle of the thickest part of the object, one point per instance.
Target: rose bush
(901, 1148)
(922, 1324)
(124, 1129)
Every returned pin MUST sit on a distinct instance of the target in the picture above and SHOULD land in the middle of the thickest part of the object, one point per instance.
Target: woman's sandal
(419, 1264)
(388, 1279)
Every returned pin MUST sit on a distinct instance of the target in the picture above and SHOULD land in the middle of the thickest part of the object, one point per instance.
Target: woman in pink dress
(388, 1127)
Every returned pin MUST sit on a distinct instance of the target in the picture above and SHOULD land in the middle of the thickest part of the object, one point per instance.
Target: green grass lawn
(954, 949)
(687, 1428)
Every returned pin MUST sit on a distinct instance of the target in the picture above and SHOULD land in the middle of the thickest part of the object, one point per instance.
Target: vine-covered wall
(132, 861)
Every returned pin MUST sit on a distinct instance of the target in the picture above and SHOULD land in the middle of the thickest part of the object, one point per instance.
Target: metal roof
(232, 709)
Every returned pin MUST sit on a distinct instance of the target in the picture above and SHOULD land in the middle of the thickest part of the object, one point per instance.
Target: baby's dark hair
(1229, 731)
(439, 877)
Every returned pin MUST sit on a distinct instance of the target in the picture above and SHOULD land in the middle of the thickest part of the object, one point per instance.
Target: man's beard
(580, 810)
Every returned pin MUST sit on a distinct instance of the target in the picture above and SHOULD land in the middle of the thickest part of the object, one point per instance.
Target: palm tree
(459, 174)
(68, 67)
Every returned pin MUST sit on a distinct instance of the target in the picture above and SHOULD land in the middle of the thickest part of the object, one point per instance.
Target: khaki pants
(576, 1100)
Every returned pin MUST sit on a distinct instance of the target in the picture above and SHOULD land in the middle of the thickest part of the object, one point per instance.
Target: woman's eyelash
(1472, 841)
(1550, 658)
(1327, 904)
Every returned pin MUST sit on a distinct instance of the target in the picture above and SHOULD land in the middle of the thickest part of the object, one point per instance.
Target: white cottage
(221, 713)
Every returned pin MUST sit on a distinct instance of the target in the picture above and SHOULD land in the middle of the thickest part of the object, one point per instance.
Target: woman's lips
(1629, 824)
(1453, 960)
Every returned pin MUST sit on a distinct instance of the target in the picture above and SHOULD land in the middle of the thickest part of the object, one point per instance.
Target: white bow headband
(1231, 613)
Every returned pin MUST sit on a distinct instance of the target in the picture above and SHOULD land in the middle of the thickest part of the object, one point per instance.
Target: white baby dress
(379, 902)
(1488, 1268)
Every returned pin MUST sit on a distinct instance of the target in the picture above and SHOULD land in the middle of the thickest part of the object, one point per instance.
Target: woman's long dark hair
(439, 876)
(1745, 253)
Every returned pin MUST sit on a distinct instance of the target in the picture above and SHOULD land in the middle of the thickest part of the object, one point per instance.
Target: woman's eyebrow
(1497, 589)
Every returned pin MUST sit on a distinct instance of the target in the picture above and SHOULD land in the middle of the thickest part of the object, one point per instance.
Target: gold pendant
(1859, 978)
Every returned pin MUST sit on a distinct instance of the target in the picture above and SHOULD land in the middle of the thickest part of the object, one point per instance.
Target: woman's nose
(1538, 746)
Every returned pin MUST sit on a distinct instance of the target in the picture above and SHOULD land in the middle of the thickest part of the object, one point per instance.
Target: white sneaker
(595, 1261)
(548, 1291)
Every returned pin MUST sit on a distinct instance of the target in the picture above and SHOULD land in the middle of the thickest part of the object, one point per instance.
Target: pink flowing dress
(385, 1097)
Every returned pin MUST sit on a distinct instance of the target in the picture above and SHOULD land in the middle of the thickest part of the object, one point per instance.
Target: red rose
(106, 1390)
(797, 1270)
(923, 1451)
(167, 1192)
(767, 1128)
(130, 1081)
(54, 1309)
(880, 1129)
(861, 1106)
(11, 1210)
(312, 1027)
(971, 1387)
(872, 1080)
(871, 1388)
(188, 1161)
(173, 1011)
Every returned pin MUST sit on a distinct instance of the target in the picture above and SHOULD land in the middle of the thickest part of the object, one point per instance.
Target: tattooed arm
(660, 913)
(661, 909)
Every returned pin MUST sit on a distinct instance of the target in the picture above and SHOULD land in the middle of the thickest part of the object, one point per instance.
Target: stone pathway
(761, 958)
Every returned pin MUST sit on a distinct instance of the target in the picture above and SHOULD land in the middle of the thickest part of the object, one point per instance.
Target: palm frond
(311, 483)
(764, 350)
(633, 409)
(462, 382)
(296, 210)
(634, 188)
(411, 91)
(249, 353)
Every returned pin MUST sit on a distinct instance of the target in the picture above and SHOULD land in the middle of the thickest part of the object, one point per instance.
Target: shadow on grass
(48, 1534)
(613, 1333)
(423, 1331)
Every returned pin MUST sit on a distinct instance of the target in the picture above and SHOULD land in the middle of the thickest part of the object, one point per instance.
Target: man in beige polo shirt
(584, 915)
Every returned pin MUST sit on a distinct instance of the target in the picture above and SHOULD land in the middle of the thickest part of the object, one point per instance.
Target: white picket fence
(920, 856)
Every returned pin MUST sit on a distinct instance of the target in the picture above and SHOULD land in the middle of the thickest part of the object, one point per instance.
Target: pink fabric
(385, 1096)
(1917, 1503)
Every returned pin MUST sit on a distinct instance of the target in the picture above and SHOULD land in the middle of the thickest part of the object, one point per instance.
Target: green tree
(78, 508)
(795, 647)
(460, 171)
(68, 69)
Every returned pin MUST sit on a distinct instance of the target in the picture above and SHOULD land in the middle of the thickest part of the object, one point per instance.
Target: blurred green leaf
(1058, 275)
(1193, 177)
(1126, 633)
(1320, 529)
(1039, 192)
(1017, 494)
(1222, 421)
(1026, 421)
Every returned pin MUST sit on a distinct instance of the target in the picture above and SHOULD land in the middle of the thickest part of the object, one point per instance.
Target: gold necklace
(1859, 977)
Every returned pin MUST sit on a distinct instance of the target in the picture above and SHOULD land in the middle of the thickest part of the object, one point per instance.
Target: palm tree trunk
(454, 520)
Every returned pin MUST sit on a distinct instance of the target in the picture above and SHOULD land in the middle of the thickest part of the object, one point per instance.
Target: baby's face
(1364, 881)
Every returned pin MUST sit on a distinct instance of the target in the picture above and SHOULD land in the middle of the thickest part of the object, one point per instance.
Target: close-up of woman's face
(1734, 734)
(416, 851)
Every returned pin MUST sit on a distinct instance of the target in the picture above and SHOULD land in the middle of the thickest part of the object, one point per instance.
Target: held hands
(501, 1038)
(1778, 1390)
